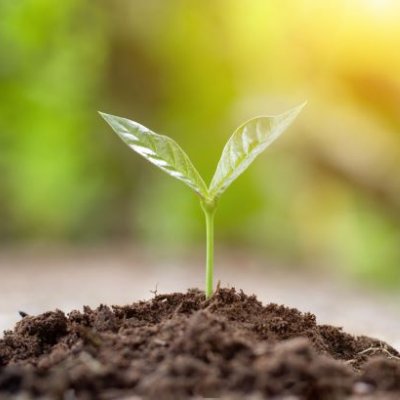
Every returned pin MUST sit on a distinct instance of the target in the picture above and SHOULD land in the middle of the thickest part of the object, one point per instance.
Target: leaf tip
(107, 117)
(102, 114)
(294, 112)
(300, 107)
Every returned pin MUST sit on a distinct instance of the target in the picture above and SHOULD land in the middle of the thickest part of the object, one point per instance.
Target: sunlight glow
(381, 6)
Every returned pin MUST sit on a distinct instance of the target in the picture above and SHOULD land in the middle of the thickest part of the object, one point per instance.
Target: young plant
(245, 144)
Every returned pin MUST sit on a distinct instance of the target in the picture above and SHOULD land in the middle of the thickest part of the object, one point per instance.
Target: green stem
(209, 213)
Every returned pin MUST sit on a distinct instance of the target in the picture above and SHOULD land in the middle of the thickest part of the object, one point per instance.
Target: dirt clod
(181, 346)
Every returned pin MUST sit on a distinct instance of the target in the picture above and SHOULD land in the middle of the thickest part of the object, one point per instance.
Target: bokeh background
(326, 196)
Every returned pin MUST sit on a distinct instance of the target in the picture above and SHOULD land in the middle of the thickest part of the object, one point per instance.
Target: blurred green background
(326, 194)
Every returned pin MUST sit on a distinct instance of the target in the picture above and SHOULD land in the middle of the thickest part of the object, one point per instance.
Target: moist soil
(182, 346)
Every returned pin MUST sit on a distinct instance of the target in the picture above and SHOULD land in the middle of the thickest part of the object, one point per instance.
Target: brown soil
(180, 346)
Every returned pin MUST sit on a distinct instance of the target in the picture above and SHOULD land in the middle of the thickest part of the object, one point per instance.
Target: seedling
(245, 144)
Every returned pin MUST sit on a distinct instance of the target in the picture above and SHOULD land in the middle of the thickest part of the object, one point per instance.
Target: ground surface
(40, 280)
(180, 346)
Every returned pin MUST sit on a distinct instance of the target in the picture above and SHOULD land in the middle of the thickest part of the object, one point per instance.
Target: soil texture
(182, 346)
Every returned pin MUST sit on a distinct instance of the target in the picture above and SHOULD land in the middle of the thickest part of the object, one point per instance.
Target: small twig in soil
(381, 349)
(155, 291)
(374, 350)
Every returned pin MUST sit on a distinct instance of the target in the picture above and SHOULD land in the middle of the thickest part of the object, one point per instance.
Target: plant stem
(209, 213)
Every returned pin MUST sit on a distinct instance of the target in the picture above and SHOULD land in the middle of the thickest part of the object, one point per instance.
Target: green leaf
(246, 143)
(160, 150)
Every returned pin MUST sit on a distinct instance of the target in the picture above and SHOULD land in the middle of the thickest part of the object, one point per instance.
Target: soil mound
(181, 346)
